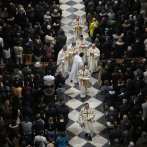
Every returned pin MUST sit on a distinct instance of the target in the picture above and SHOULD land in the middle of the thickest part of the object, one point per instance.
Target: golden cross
(87, 113)
(83, 74)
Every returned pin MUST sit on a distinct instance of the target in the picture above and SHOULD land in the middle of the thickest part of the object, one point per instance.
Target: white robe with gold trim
(82, 119)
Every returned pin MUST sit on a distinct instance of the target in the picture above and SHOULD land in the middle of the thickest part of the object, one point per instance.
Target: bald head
(93, 45)
(130, 16)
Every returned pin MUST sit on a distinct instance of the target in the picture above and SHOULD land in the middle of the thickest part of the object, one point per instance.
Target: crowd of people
(119, 30)
(32, 102)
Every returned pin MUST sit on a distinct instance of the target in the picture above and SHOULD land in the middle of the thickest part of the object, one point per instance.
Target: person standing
(84, 81)
(93, 55)
(62, 62)
(72, 50)
(77, 26)
(86, 119)
(77, 64)
(83, 44)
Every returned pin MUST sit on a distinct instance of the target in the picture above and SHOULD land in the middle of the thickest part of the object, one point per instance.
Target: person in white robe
(62, 61)
(72, 50)
(77, 64)
(93, 55)
(83, 44)
(84, 81)
(86, 120)
(77, 26)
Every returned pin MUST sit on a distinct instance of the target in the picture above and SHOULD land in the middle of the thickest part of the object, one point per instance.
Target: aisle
(74, 132)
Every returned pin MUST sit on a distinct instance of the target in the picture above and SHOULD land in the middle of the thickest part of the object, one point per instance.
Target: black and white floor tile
(75, 134)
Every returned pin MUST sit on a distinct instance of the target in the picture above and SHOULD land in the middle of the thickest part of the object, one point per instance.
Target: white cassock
(93, 60)
(82, 119)
(77, 28)
(77, 64)
(62, 63)
(84, 81)
(82, 44)
(72, 51)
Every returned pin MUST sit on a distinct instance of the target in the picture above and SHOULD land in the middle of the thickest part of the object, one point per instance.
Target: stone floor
(75, 134)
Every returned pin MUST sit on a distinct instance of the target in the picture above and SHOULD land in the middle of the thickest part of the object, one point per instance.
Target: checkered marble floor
(75, 134)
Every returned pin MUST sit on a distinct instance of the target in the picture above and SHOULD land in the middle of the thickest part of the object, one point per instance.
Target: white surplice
(62, 63)
(77, 64)
(83, 44)
(72, 51)
(77, 28)
(84, 81)
(82, 119)
(93, 60)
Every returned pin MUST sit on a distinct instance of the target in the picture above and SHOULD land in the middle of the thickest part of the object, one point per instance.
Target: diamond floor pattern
(75, 134)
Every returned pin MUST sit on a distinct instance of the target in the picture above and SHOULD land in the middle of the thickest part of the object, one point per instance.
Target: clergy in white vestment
(77, 64)
(84, 81)
(72, 50)
(62, 61)
(93, 55)
(82, 44)
(86, 120)
(77, 26)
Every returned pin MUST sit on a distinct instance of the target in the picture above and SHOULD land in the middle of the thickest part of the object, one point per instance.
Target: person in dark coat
(27, 111)
(112, 112)
(107, 48)
(115, 133)
(111, 98)
(124, 109)
(102, 26)
(55, 16)
(37, 69)
(116, 76)
(119, 48)
(39, 7)
(62, 38)
(137, 48)
(38, 49)
(139, 84)
(49, 95)
(115, 7)
(142, 141)
(64, 110)
(136, 6)
(119, 87)
(106, 76)
(128, 40)
(51, 112)
(26, 70)
(126, 26)
(57, 49)
(51, 67)
(121, 97)
(131, 21)
(130, 53)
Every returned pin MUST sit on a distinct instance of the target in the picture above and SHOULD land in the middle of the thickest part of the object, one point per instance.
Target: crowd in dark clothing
(32, 98)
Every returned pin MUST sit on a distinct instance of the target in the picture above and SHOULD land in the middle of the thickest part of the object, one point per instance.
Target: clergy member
(82, 44)
(77, 64)
(62, 61)
(72, 50)
(84, 81)
(77, 26)
(86, 120)
(93, 55)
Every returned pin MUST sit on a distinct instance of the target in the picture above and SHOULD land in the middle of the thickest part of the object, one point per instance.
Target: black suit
(26, 71)
(50, 113)
(123, 109)
(52, 68)
(61, 126)
(26, 111)
(115, 133)
(64, 110)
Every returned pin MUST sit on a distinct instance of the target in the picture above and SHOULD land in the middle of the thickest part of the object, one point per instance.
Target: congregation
(34, 68)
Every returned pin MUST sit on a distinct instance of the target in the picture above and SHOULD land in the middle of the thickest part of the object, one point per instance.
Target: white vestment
(84, 81)
(77, 28)
(82, 119)
(62, 63)
(72, 51)
(93, 59)
(82, 44)
(77, 64)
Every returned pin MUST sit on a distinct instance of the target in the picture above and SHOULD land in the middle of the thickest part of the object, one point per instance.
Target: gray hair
(64, 47)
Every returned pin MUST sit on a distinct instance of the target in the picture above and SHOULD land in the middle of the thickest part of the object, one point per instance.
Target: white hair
(116, 2)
